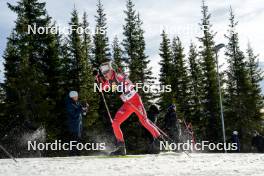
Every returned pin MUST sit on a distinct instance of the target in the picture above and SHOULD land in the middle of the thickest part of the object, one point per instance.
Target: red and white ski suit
(132, 104)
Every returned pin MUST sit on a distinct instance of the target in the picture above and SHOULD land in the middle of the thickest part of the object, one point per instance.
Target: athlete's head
(107, 70)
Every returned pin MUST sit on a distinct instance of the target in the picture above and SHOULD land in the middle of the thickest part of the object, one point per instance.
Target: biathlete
(132, 104)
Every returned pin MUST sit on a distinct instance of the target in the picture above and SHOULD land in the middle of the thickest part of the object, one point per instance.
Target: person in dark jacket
(75, 111)
(235, 140)
(258, 142)
(171, 123)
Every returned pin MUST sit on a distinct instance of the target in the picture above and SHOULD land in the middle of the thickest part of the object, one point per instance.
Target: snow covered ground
(164, 164)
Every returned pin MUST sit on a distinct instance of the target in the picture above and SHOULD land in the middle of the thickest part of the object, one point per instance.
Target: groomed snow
(164, 164)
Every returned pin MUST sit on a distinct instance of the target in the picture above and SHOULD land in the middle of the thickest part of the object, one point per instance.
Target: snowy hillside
(163, 164)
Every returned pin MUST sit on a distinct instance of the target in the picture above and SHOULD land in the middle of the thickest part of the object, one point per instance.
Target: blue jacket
(74, 115)
(235, 139)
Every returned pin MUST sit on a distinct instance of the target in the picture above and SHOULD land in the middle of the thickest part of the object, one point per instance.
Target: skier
(131, 104)
(75, 111)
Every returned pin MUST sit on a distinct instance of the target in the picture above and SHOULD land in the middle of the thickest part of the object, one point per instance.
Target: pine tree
(210, 90)
(180, 79)
(238, 104)
(101, 49)
(166, 98)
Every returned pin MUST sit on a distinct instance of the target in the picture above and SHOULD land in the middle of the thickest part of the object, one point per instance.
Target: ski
(7, 153)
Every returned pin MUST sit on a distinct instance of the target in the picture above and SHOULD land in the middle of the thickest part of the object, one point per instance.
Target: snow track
(164, 164)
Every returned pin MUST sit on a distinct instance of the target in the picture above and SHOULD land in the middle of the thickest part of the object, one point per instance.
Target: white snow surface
(167, 164)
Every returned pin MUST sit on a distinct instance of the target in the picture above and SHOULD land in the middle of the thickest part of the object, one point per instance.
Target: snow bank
(163, 164)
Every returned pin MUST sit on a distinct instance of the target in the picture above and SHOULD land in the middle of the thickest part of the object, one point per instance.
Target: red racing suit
(132, 104)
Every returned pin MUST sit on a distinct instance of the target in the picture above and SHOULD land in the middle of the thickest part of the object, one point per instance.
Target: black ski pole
(106, 106)
(7, 153)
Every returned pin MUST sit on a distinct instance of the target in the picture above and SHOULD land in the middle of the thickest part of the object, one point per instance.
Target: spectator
(258, 142)
(74, 113)
(235, 140)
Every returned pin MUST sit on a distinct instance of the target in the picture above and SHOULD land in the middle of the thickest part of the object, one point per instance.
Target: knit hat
(73, 94)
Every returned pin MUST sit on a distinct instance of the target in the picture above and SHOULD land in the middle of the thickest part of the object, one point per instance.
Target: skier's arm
(127, 84)
(104, 83)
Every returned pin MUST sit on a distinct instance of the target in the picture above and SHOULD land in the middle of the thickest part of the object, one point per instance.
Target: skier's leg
(122, 114)
(142, 115)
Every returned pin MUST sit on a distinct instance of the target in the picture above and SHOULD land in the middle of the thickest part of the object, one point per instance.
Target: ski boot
(121, 149)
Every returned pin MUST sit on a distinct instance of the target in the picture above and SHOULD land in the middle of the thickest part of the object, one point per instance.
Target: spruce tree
(166, 98)
(195, 72)
(32, 56)
(255, 77)
(180, 79)
(101, 49)
(79, 66)
(238, 104)
(139, 70)
(11, 65)
(87, 39)
(134, 49)
(210, 88)
(117, 53)
(87, 94)
(130, 41)
(76, 51)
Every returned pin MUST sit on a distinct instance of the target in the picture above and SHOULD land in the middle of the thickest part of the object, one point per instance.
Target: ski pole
(7, 153)
(106, 106)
